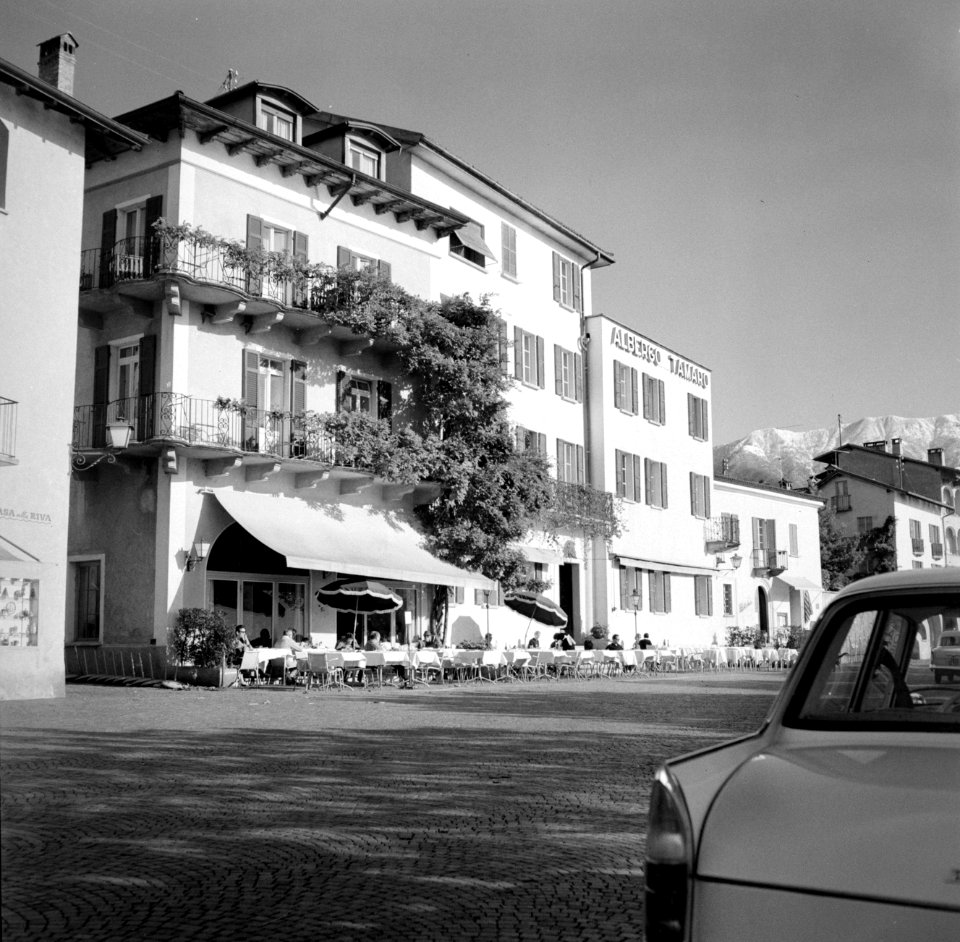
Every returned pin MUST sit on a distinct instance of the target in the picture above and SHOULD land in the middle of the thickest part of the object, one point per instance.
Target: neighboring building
(865, 485)
(212, 370)
(648, 416)
(767, 545)
(46, 138)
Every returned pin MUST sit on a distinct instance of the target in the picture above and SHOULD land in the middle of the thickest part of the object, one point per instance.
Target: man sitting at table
(375, 644)
(534, 642)
(429, 640)
(615, 644)
(644, 642)
(294, 647)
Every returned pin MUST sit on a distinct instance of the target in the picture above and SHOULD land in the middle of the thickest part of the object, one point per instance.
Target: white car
(840, 817)
(945, 657)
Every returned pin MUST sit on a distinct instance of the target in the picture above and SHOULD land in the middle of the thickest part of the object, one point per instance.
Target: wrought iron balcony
(917, 546)
(721, 532)
(579, 507)
(772, 560)
(936, 550)
(8, 431)
(220, 264)
(213, 424)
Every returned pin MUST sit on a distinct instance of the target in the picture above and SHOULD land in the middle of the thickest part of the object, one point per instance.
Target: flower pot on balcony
(119, 434)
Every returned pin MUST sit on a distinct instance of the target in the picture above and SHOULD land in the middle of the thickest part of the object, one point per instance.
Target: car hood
(879, 822)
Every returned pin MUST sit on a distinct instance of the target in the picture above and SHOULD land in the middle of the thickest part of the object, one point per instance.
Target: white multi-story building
(46, 137)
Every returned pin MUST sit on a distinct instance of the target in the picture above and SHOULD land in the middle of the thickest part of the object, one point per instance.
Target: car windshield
(873, 667)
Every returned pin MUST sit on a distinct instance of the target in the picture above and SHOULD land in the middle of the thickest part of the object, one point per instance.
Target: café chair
(325, 668)
(249, 669)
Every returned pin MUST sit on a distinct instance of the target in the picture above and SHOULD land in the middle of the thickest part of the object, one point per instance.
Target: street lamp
(635, 599)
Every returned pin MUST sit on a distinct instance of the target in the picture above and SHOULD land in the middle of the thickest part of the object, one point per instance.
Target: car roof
(930, 579)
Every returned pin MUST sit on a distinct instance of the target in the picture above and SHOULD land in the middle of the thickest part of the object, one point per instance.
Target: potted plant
(201, 641)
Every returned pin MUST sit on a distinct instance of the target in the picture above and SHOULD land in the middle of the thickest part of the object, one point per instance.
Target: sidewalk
(494, 812)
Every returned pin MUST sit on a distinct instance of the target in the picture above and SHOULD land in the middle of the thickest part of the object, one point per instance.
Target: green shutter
(384, 270)
(556, 277)
(148, 380)
(558, 369)
(578, 377)
(637, 481)
(101, 391)
(251, 374)
(634, 392)
(518, 353)
(581, 477)
(541, 373)
(152, 212)
(575, 276)
(108, 240)
(666, 592)
(254, 244)
(343, 256)
(617, 385)
(661, 403)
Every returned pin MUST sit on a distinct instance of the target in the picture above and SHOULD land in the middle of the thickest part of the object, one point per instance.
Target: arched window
(949, 497)
(951, 541)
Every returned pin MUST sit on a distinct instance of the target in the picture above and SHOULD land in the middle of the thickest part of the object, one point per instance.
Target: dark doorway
(764, 615)
(569, 596)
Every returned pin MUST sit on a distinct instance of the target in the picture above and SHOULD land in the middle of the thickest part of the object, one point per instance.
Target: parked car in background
(840, 817)
(945, 657)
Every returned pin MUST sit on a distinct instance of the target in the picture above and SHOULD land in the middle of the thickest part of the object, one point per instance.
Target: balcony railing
(204, 422)
(936, 550)
(840, 503)
(8, 430)
(140, 258)
(917, 546)
(578, 506)
(723, 530)
(770, 559)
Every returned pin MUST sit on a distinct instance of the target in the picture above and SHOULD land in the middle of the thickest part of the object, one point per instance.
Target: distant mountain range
(768, 455)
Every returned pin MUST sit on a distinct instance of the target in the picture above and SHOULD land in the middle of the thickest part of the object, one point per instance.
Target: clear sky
(779, 180)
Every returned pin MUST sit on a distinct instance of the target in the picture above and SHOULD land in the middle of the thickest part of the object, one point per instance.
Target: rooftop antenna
(839, 431)
(231, 81)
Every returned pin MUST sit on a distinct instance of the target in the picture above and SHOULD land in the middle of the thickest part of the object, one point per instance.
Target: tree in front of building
(840, 555)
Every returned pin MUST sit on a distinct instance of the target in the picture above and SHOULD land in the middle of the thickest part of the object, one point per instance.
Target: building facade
(46, 137)
(868, 485)
(222, 496)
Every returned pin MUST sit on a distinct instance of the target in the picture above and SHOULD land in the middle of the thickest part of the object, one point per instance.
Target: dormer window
(275, 121)
(366, 159)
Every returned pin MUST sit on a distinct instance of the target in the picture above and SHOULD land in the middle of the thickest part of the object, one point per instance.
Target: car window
(872, 668)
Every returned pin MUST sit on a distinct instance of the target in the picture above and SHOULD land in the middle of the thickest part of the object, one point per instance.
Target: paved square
(486, 812)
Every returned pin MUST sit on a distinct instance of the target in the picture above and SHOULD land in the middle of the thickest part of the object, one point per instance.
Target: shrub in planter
(598, 632)
(201, 637)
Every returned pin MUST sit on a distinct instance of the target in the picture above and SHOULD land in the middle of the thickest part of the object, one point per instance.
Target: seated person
(241, 643)
(615, 644)
(534, 642)
(645, 643)
(430, 640)
(265, 639)
(375, 644)
(588, 644)
(287, 641)
(488, 643)
(347, 643)
(563, 642)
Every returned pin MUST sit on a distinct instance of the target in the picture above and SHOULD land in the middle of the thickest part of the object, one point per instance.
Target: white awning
(336, 537)
(799, 582)
(659, 566)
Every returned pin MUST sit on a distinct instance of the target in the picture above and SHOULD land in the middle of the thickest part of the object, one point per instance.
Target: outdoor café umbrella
(536, 606)
(360, 596)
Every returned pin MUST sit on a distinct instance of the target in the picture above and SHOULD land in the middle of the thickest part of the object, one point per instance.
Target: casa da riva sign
(642, 349)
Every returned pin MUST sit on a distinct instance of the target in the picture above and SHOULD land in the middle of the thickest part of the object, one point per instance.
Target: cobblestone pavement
(491, 812)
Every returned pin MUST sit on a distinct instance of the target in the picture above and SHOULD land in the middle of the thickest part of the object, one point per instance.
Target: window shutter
(343, 256)
(706, 496)
(556, 277)
(541, 377)
(298, 390)
(772, 535)
(384, 400)
(648, 487)
(108, 239)
(663, 486)
(148, 378)
(624, 586)
(619, 471)
(458, 594)
(637, 480)
(617, 385)
(578, 377)
(661, 402)
(518, 353)
(560, 450)
(521, 438)
(300, 246)
(251, 374)
(575, 277)
(705, 423)
(342, 380)
(558, 369)
(666, 591)
(254, 243)
(152, 212)
(693, 494)
(504, 345)
(646, 396)
(691, 414)
(541, 444)
(634, 392)
(580, 468)
(101, 392)
(383, 270)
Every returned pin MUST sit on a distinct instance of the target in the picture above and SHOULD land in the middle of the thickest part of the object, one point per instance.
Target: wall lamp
(735, 561)
(197, 555)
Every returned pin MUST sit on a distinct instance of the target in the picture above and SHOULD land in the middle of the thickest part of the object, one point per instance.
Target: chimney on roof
(935, 456)
(895, 444)
(58, 60)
